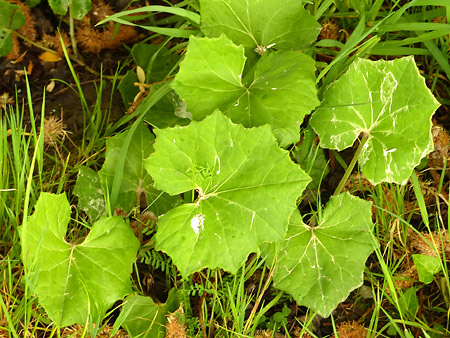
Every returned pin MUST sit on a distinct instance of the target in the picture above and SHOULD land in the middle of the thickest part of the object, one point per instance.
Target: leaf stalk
(352, 164)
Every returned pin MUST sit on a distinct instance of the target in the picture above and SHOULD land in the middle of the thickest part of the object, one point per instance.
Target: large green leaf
(320, 265)
(388, 101)
(135, 180)
(282, 25)
(210, 75)
(76, 282)
(280, 93)
(247, 188)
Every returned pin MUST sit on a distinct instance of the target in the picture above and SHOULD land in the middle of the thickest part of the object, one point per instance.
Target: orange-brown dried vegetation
(174, 327)
(423, 243)
(351, 330)
(441, 153)
(432, 245)
(95, 39)
(330, 30)
(53, 42)
(28, 30)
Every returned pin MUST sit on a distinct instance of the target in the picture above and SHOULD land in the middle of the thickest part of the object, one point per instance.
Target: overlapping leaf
(79, 7)
(11, 18)
(144, 318)
(156, 61)
(283, 24)
(319, 266)
(88, 189)
(311, 158)
(247, 188)
(281, 92)
(135, 180)
(76, 282)
(389, 101)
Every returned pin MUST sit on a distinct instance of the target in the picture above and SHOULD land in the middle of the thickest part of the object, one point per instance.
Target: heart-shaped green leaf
(281, 92)
(283, 24)
(319, 266)
(389, 102)
(247, 189)
(76, 282)
(427, 267)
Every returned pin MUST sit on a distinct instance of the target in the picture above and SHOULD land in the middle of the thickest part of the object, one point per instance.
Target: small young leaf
(409, 302)
(281, 92)
(135, 180)
(282, 25)
(427, 267)
(319, 266)
(247, 188)
(389, 101)
(76, 282)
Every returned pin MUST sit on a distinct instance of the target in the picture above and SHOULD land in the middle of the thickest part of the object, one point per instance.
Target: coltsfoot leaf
(388, 101)
(76, 282)
(263, 24)
(280, 93)
(247, 189)
(319, 266)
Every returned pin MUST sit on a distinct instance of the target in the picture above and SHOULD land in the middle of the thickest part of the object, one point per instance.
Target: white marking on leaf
(389, 151)
(197, 223)
(217, 158)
